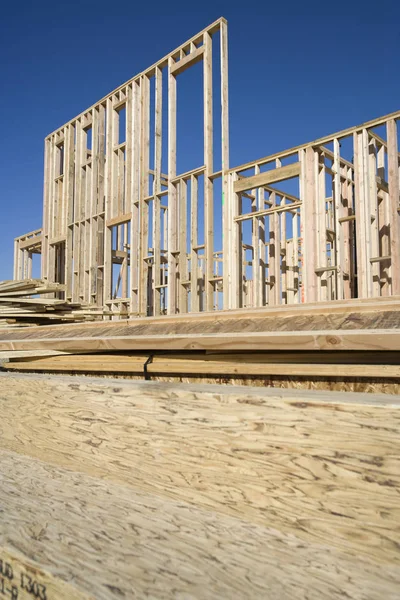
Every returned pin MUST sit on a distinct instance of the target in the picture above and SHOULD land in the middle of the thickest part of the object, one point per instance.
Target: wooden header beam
(273, 176)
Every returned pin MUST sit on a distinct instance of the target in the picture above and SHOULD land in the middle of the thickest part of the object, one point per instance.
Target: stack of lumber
(356, 364)
(115, 490)
(30, 302)
(341, 346)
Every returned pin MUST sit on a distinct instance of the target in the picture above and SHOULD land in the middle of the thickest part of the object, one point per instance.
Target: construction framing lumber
(303, 484)
(237, 364)
(357, 339)
(125, 229)
(262, 179)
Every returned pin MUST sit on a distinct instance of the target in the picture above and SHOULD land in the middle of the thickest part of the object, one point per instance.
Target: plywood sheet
(109, 541)
(120, 490)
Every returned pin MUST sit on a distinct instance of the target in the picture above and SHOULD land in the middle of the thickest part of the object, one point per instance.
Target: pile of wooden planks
(31, 302)
(268, 368)
(338, 347)
(357, 364)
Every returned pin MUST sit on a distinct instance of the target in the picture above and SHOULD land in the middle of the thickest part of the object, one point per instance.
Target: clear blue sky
(296, 73)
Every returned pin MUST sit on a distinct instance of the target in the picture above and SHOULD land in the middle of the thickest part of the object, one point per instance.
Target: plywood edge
(115, 385)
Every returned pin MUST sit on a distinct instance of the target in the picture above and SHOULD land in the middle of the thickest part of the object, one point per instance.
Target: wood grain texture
(273, 176)
(356, 339)
(371, 372)
(19, 576)
(318, 466)
(355, 314)
(203, 365)
(110, 541)
(378, 385)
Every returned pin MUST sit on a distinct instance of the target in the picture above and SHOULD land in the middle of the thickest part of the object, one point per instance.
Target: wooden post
(172, 192)
(135, 195)
(183, 276)
(208, 184)
(226, 198)
(108, 266)
(363, 214)
(156, 197)
(144, 193)
(337, 203)
(393, 183)
(194, 261)
(308, 225)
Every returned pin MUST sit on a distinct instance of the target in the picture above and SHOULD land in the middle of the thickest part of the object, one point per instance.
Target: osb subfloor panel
(113, 489)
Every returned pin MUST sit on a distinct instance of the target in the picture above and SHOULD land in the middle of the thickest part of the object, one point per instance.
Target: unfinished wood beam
(296, 340)
(172, 192)
(144, 192)
(208, 184)
(211, 366)
(272, 176)
(337, 195)
(394, 195)
(189, 60)
(258, 280)
(120, 220)
(134, 106)
(17, 258)
(235, 276)
(363, 217)
(194, 260)
(182, 260)
(269, 211)
(29, 243)
(308, 227)
(156, 277)
(226, 199)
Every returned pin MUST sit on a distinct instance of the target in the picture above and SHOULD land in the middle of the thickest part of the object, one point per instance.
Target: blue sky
(296, 73)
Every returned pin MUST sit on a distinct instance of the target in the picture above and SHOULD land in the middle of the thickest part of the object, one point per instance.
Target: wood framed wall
(124, 229)
(24, 248)
(113, 217)
(323, 220)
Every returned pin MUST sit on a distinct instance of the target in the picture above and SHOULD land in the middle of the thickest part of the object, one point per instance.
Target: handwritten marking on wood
(21, 580)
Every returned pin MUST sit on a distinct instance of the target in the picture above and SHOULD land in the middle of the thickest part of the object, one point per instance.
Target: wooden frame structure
(318, 222)
(24, 248)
